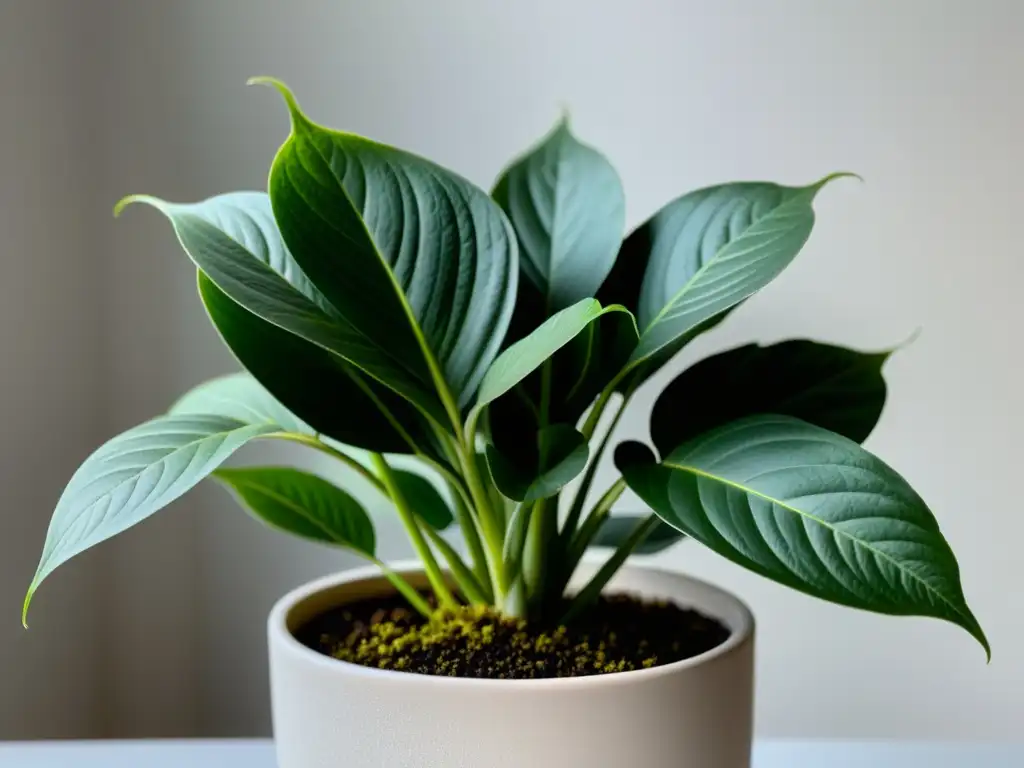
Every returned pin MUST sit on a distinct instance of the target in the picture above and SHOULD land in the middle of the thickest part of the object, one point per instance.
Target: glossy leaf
(420, 261)
(839, 389)
(234, 241)
(333, 397)
(566, 204)
(528, 354)
(133, 476)
(617, 529)
(239, 396)
(807, 508)
(704, 253)
(424, 499)
(302, 504)
(562, 454)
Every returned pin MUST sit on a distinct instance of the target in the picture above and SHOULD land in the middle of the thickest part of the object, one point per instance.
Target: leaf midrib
(825, 524)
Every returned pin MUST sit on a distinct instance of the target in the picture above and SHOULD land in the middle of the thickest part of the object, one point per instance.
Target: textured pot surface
(695, 713)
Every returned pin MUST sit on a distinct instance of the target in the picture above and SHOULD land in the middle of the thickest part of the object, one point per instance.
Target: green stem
(515, 544)
(404, 588)
(572, 519)
(323, 447)
(433, 570)
(488, 521)
(468, 584)
(536, 559)
(471, 535)
(587, 532)
(589, 594)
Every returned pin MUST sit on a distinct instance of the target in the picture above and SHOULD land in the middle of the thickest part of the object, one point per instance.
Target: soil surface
(619, 634)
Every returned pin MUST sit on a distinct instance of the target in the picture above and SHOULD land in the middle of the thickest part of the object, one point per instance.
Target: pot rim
(277, 628)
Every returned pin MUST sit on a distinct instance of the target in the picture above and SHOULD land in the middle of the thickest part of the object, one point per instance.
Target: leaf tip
(127, 200)
(25, 605)
(299, 120)
(820, 184)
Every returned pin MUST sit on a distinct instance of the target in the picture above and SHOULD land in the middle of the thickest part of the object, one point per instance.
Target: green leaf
(302, 504)
(420, 261)
(239, 396)
(563, 454)
(839, 389)
(424, 499)
(618, 528)
(234, 241)
(333, 397)
(809, 509)
(134, 475)
(566, 203)
(528, 354)
(704, 253)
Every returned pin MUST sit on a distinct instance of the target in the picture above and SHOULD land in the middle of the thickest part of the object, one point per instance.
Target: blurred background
(160, 632)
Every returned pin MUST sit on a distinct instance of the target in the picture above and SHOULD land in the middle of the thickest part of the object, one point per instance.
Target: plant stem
(576, 510)
(404, 588)
(515, 544)
(408, 517)
(536, 559)
(488, 521)
(592, 590)
(468, 584)
(579, 543)
(468, 526)
(323, 447)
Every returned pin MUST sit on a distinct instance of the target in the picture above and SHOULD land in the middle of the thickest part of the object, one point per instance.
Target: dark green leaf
(839, 389)
(701, 255)
(333, 397)
(567, 206)
(424, 499)
(134, 475)
(234, 241)
(562, 454)
(416, 258)
(302, 504)
(807, 508)
(618, 528)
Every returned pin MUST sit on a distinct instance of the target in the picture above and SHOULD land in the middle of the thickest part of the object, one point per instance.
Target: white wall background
(99, 325)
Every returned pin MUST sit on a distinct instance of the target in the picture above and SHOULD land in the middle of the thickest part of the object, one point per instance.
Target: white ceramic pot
(695, 713)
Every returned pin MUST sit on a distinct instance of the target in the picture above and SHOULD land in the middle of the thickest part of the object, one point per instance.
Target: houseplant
(382, 305)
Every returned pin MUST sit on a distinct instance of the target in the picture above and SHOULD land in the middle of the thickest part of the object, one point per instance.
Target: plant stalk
(405, 589)
(579, 543)
(536, 559)
(463, 575)
(589, 594)
(323, 447)
(408, 517)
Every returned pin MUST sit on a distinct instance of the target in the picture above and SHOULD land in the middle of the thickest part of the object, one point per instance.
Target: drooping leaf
(701, 255)
(239, 396)
(420, 261)
(302, 504)
(424, 499)
(562, 453)
(807, 508)
(333, 397)
(566, 204)
(133, 476)
(839, 389)
(618, 528)
(234, 241)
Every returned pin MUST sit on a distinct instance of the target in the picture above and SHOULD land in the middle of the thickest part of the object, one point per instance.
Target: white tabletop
(260, 754)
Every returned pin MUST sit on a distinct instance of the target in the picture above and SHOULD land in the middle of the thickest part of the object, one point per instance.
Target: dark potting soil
(619, 634)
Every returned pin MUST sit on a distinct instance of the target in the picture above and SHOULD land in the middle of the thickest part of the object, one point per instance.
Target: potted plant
(381, 306)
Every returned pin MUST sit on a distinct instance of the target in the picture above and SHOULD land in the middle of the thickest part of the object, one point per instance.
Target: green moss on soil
(619, 634)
